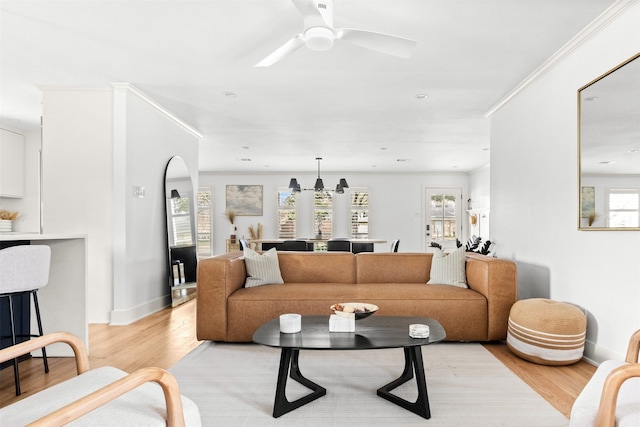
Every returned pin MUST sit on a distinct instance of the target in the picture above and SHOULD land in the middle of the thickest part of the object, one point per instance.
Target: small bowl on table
(354, 310)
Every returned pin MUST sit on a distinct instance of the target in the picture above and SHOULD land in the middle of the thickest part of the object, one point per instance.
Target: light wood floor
(165, 337)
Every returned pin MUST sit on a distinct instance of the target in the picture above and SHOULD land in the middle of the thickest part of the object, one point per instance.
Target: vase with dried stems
(255, 234)
(231, 217)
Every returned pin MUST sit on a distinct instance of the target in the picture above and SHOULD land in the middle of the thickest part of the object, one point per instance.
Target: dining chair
(340, 245)
(294, 245)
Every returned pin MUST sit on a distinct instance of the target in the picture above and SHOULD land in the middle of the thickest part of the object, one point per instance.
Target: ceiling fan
(319, 34)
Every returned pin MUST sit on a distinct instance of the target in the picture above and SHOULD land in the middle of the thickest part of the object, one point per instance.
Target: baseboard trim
(595, 354)
(126, 317)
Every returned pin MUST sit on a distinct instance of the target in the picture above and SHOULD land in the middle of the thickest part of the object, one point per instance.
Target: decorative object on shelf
(244, 200)
(591, 218)
(473, 219)
(231, 217)
(6, 220)
(319, 186)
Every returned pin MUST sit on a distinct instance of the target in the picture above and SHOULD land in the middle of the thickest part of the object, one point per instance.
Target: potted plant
(6, 220)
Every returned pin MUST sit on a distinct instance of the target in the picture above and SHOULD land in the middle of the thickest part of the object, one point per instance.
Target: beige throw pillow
(262, 269)
(449, 269)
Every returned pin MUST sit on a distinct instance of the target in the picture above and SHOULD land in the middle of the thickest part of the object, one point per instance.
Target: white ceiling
(354, 107)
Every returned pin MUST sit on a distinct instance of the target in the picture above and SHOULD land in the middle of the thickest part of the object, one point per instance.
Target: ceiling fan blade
(292, 45)
(385, 43)
(312, 15)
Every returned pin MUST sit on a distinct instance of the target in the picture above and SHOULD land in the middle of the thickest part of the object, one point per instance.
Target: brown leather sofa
(395, 282)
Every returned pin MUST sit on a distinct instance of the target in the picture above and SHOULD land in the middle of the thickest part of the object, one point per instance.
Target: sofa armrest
(218, 277)
(497, 280)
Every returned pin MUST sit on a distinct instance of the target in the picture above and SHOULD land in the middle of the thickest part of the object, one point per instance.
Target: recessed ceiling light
(607, 162)
(229, 94)
(485, 149)
(634, 151)
(245, 147)
(591, 98)
(402, 160)
(245, 160)
(383, 148)
(422, 96)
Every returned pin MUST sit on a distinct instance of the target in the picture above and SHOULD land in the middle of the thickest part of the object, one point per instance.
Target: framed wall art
(244, 200)
(587, 202)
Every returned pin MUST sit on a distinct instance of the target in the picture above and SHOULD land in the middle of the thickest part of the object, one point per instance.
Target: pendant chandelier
(319, 186)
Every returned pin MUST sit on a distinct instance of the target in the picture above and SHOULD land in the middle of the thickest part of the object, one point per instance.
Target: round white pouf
(547, 332)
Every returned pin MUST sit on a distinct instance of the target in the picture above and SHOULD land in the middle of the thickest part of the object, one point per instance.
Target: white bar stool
(23, 270)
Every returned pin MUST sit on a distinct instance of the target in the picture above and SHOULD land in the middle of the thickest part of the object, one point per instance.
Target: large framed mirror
(609, 150)
(181, 236)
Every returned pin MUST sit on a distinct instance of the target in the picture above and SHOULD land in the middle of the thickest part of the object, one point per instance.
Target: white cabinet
(11, 164)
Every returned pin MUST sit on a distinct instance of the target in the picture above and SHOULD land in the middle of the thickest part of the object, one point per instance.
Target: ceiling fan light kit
(294, 186)
(319, 35)
(319, 39)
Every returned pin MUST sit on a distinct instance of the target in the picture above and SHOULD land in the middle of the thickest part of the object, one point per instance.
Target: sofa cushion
(449, 269)
(393, 267)
(262, 269)
(318, 267)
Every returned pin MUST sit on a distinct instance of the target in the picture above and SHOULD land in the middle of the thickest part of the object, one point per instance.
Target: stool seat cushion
(143, 406)
(546, 332)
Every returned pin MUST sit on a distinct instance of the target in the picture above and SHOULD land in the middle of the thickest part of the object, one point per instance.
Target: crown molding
(129, 88)
(597, 25)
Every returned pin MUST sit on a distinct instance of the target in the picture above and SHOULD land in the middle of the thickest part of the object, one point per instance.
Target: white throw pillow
(450, 269)
(262, 269)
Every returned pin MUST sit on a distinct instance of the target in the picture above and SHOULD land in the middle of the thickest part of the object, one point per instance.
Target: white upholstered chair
(23, 270)
(105, 396)
(612, 396)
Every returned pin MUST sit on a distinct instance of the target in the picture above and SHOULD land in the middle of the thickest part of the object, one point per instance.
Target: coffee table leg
(412, 362)
(289, 367)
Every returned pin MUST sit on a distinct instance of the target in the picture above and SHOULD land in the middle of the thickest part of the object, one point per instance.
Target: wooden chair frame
(607, 410)
(80, 407)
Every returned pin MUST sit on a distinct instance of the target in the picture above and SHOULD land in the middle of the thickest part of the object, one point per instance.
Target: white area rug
(234, 385)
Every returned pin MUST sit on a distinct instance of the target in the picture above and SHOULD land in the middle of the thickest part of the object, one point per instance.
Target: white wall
(534, 196)
(98, 144)
(77, 191)
(147, 137)
(396, 204)
(480, 192)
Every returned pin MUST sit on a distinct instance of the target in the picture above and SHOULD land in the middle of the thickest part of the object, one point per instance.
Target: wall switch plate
(138, 191)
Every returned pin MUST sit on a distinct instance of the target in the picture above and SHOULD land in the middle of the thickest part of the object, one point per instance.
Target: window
(286, 214)
(322, 215)
(180, 221)
(442, 216)
(623, 206)
(204, 221)
(359, 214)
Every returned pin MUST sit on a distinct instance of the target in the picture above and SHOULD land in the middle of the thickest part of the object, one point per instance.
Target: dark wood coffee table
(375, 332)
